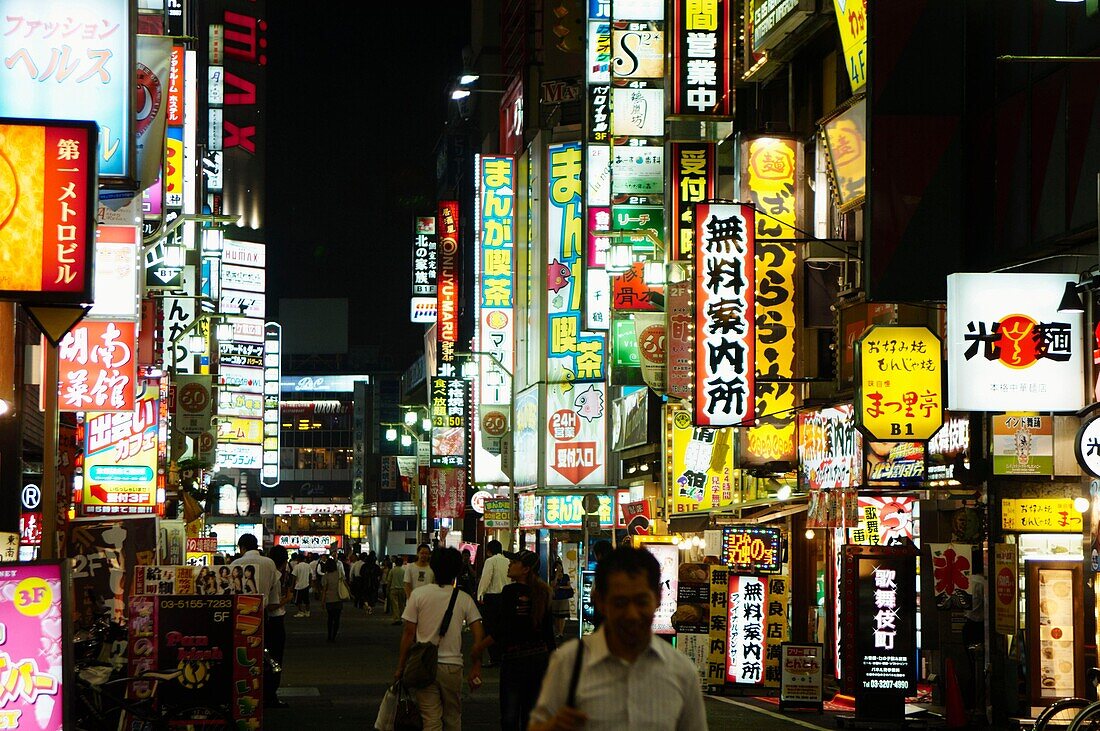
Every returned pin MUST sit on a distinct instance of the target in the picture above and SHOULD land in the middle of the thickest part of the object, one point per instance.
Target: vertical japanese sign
(572, 355)
(495, 313)
(34, 615)
(899, 372)
(446, 493)
(273, 370)
(97, 367)
(74, 60)
(1006, 566)
(694, 180)
(1008, 346)
(47, 204)
(576, 443)
(770, 179)
(779, 596)
(701, 58)
(725, 298)
(719, 621)
(886, 635)
(830, 448)
(450, 263)
(172, 173)
(120, 458)
(450, 406)
(115, 282)
(425, 256)
(680, 360)
(746, 617)
(851, 21)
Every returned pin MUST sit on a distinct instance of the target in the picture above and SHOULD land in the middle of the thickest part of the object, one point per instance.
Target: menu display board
(1054, 628)
(802, 676)
(752, 549)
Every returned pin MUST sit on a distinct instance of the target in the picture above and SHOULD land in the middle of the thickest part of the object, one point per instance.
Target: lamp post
(508, 435)
(405, 434)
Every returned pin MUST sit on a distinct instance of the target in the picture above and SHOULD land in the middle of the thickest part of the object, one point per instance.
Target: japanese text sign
(751, 549)
(717, 661)
(1023, 444)
(576, 444)
(771, 175)
(851, 20)
(725, 319)
(32, 617)
(572, 355)
(886, 628)
(845, 141)
(65, 59)
(450, 264)
(567, 511)
(1087, 447)
(898, 380)
(446, 492)
(1009, 348)
(97, 367)
(694, 180)
(776, 630)
(497, 231)
(120, 458)
(700, 464)
(450, 406)
(47, 206)
(425, 256)
(1004, 586)
(829, 448)
(746, 613)
(1040, 515)
(701, 58)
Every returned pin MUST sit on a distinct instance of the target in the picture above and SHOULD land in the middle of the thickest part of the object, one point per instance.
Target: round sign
(494, 423)
(194, 398)
(31, 497)
(1087, 447)
(477, 500)
(563, 424)
(590, 503)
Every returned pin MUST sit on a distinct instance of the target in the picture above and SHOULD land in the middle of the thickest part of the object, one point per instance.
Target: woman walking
(562, 593)
(330, 596)
(525, 635)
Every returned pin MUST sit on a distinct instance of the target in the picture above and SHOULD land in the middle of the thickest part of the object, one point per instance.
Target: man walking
(420, 573)
(395, 589)
(267, 585)
(494, 576)
(628, 678)
(301, 573)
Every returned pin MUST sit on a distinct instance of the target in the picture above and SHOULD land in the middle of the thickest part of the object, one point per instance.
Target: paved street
(338, 686)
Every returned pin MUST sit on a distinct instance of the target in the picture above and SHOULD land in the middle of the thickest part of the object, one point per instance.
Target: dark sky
(356, 103)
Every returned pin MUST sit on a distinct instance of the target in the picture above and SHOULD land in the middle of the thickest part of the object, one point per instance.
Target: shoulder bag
(342, 591)
(571, 698)
(420, 663)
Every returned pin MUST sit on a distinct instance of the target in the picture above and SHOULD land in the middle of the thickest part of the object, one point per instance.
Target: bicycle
(132, 704)
(1060, 713)
(1088, 719)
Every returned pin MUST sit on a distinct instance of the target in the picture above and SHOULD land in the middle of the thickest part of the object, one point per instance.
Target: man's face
(628, 607)
(423, 556)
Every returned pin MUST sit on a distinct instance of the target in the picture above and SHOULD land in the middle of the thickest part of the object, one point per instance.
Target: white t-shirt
(301, 576)
(417, 576)
(426, 608)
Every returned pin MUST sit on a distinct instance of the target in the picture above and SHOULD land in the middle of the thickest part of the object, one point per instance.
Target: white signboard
(248, 405)
(576, 443)
(248, 279)
(1088, 447)
(312, 508)
(801, 679)
(668, 556)
(236, 378)
(1009, 349)
(638, 112)
(423, 310)
(247, 329)
(598, 175)
(248, 304)
(115, 283)
(244, 253)
(238, 456)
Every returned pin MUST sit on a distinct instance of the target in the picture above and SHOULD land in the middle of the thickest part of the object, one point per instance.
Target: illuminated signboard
(1040, 515)
(844, 138)
(1008, 346)
(120, 458)
(700, 464)
(567, 511)
(576, 443)
(425, 256)
(449, 406)
(700, 38)
(694, 180)
(894, 461)
(899, 371)
(746, 620)
(885, 658)
(34, 611)
(47, 203)
(949, 449)
(829, 447)
(273, 370)
(74, 60)
(725, 296)
(116, 268)
(450, 263)
(851, 20)
(751, 550)
(97, 367)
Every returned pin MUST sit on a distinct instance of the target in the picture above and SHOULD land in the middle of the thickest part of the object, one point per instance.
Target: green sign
(624, 344)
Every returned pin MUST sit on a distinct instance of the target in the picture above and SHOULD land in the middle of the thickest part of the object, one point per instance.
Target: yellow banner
(700, 464)
(899, 377)
(851, 19)
(236, 430)
(719, 598)
(1040, 515)
(775, 633)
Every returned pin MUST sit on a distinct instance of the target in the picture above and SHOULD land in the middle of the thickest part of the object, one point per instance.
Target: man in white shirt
(440, 702)
(267, 586)
(494, 576)
(301, 573)
(628, 677)
(420, 573)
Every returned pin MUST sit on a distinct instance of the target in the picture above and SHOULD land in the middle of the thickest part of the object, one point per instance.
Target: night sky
(356, 104)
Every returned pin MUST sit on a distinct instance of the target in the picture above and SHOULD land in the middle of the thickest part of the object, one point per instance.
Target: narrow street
(338, 687)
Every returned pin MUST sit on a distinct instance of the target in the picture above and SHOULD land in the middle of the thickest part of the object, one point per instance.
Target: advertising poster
(1055, 626)
(446, 492)
(649, 328)
(668, 556)
(803, 675)
(120, 458)
(97, 367)
(218, 643)
(1023, 444)
(829, 447)
(588, 604)
(746, 614)
(525, 467)
(498, 513)
(896, 462)
(102, 554)
(700, 465)
(33, 624)
(205, 580)
(630, 422)
(883, 520)
(949, 450)
(450, 407)
(1006, 568)
(692, 617)
(576, 443)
